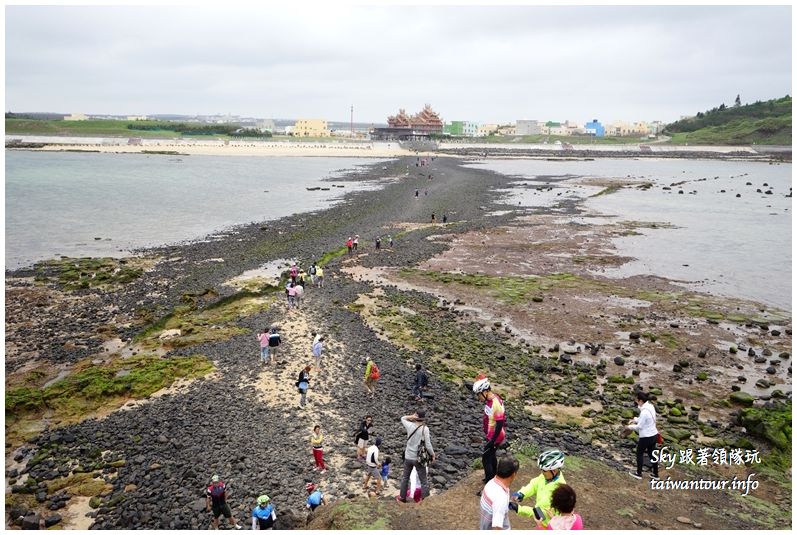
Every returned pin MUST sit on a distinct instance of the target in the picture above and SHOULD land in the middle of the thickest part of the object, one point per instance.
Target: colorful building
(461, 128)
(595, 128)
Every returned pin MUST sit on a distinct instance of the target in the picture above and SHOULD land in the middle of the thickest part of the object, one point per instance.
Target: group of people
(554, 500)
(294, 288)
(353, 243)
(264, 514)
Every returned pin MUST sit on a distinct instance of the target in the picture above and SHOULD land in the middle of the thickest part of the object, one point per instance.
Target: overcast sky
(485, 64)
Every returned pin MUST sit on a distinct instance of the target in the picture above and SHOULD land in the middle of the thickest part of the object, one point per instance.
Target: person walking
(417, 454)
(421, 382)
(493, 423)
(318, 348)
(494, 505)
(294, 272)
(274, 342)
(373, 467)
(298, 290)
(317, 443)
(445, 219)
(390, 240)
(543, 486)
(356, 241)
(349, 245)
(372, 375)
(301, 278)
(264, 515)
(433, 217)
(385, 471)
(303, 383)
(319, 273)
(263, 339)
(361, 437)
(378, 243)
(216, 502)
(645, 426)
(292, 295)
(313, 274)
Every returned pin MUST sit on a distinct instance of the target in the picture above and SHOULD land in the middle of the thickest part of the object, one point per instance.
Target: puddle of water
(268, 273)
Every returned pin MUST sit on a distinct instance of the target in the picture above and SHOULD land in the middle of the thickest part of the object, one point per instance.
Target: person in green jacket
(542, 487)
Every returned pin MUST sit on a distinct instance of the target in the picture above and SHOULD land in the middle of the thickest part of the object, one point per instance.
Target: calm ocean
(59, 203)
(732, 246)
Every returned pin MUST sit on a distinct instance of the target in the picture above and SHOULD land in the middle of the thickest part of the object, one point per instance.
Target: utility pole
(351, 121)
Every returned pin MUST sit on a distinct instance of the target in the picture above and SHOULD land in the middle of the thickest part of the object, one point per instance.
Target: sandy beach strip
(357, 150)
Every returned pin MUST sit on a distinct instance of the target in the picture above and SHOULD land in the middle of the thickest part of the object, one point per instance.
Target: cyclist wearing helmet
(493, 422)
(542, 486)
(315, 497)
(263, 516)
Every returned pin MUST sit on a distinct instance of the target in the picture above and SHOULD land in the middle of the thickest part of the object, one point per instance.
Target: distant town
(425, 124)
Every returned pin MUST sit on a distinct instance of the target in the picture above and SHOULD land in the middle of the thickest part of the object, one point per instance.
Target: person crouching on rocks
(263, 515)
(314, 496)
(303, 383)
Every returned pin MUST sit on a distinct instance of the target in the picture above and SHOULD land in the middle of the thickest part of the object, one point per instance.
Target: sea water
(720, 243)
(95, 204)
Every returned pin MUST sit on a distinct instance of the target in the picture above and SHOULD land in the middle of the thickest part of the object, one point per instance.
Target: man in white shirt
(645, 426)
(494, 504)
(373, 466)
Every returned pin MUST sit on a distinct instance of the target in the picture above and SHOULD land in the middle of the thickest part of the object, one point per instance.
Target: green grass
(83, 273)
(104, 128)
(211, 323)
(93, 386)
(359, 515)
(331, 255)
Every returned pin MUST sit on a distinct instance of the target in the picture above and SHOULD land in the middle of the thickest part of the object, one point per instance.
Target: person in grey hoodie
(418, 436)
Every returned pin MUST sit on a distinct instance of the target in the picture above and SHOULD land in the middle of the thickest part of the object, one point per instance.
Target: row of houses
(526, 127)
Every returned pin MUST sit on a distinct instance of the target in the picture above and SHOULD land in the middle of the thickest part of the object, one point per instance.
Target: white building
(526, 127)
(265, 125)
(76, 117)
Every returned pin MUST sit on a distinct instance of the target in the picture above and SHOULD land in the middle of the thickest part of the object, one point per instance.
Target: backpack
(424, 380)
(423, 454)
(374, 372)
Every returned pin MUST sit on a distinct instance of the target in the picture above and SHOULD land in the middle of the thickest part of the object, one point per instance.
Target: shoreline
(190, 275)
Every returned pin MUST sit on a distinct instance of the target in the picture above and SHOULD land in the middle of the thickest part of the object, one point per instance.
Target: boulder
(620, 361)
(742, 398)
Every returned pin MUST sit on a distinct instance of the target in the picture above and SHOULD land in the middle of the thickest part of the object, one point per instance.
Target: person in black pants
(645, 426)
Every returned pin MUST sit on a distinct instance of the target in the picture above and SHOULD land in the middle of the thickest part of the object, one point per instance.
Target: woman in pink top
(263, 338)
(563, 500)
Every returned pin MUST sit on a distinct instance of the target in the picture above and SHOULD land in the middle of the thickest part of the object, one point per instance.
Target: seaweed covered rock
(771, 424)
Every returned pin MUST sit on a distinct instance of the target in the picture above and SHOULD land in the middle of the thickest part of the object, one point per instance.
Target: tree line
(198, 129)
(722, 114)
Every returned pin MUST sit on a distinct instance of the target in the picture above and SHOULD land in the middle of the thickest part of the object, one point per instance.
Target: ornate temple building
(406, 127)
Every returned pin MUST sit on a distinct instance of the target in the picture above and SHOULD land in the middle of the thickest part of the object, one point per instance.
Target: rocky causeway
(508, 291)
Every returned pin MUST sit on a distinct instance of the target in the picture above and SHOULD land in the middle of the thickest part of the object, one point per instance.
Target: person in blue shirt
(385, 470)
(315, 498)
(263, 516)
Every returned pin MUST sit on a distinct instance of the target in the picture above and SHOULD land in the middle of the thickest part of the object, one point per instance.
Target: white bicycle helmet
(551, 460)
(482, 385)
